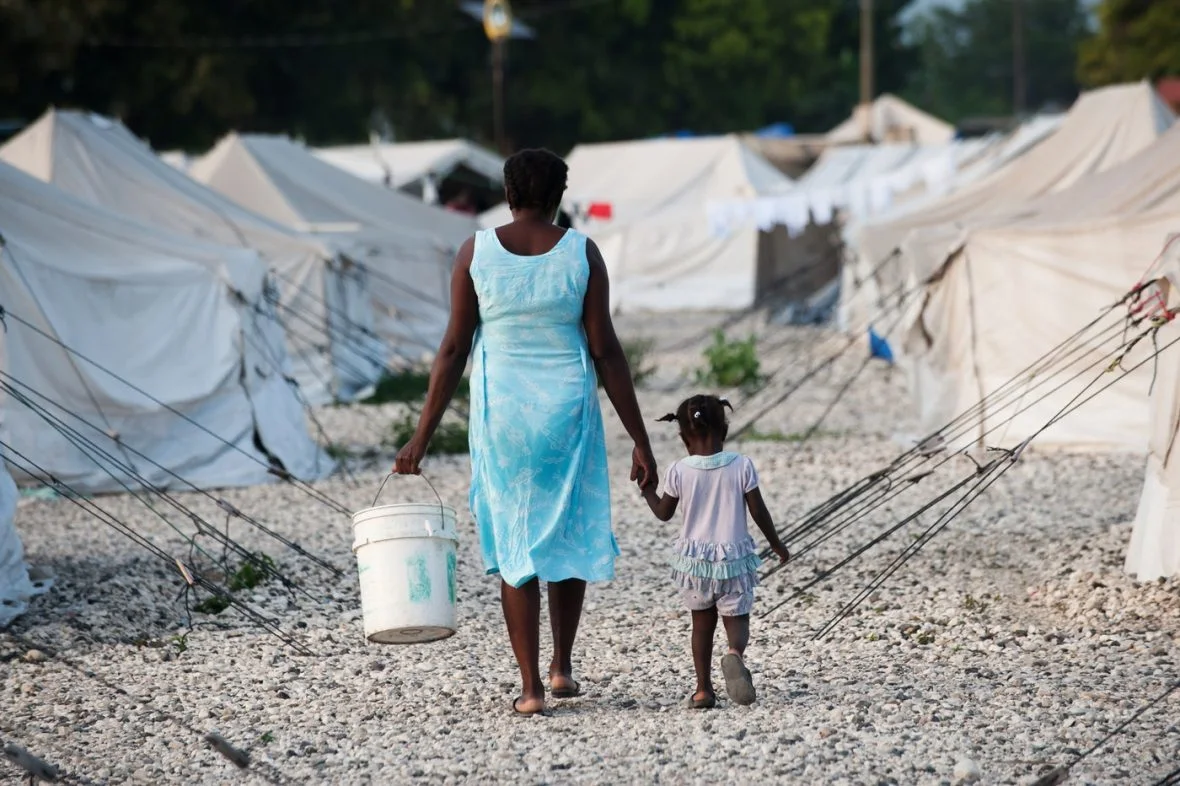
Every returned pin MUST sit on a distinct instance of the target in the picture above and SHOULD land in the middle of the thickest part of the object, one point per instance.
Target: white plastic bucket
(406, 561)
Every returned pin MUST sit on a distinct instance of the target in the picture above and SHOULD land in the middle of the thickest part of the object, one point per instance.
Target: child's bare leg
(704, 627)
(737, 631)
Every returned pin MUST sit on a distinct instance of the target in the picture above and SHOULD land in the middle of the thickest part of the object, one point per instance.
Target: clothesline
(819, 204)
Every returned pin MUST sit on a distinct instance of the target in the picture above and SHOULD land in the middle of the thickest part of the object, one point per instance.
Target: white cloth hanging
(794, 213)
(822, 206)
(880, 197)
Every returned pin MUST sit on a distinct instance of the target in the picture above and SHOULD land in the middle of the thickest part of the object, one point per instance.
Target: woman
(533, 299)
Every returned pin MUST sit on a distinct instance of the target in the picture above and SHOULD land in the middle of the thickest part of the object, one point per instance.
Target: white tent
(499, 215)
(889, 119)
(140, 309)
(1015, 288)
(860, 296)
(858, 181)
(1154, 550)
(1104, 128)
(417, 167)
(1001, 150)
(322, 301)
(661, 249)
(175, 159)
(407, 246)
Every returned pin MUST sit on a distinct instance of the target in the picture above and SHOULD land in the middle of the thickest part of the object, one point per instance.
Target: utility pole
(866, 66)
(498, 94)
(497, 23)
(1018, 84)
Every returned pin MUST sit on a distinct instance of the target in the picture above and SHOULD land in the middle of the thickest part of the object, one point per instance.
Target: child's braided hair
(701, 415)
(535, 179)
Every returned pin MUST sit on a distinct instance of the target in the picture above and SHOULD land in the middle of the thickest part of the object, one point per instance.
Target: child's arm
(664, 507)
(757, 507)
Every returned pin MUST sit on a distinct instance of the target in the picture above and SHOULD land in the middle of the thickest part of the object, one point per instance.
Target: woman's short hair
(534, 179)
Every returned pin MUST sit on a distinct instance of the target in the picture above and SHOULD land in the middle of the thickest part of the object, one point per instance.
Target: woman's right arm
(449, 363)
(613, 368)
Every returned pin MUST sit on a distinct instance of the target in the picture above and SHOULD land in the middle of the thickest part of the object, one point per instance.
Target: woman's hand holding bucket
(409, 458)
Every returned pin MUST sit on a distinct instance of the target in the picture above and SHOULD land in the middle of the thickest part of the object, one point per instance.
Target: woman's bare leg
(565, 612)
(522, 614)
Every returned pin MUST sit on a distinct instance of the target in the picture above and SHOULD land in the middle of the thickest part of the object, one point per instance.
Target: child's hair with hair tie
(701, 415)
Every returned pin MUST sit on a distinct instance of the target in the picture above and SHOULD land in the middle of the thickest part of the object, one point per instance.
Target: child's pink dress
(716, 561)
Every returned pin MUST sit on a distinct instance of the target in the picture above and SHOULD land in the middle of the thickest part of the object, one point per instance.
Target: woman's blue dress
(540, 492)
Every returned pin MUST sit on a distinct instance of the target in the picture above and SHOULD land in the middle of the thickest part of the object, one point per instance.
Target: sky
(918, 7)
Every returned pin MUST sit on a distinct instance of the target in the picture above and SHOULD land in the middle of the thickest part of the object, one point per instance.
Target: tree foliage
(1136, 39)
(596, 71)
(967, 57)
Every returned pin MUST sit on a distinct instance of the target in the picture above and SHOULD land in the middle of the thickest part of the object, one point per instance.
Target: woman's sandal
(544, 711)
(739, 685)
(571, 691)
(708, 702)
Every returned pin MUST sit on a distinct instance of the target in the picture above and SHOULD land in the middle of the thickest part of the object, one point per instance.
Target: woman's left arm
(447, 370)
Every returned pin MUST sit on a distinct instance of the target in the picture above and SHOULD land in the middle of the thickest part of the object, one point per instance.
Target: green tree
(1136, 39)
(966, 56)
(182, 73)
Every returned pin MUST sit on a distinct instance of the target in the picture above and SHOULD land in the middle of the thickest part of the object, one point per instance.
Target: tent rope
(282, 474)
(221, 503)
(31, 468)
(202, 525)
(1010, 458)
(730, 320)
(69, 358)
(1059, 774)
(921, 453)
(264, 770)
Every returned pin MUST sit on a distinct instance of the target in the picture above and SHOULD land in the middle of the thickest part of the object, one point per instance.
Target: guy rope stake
(239, 757)
(35, 768)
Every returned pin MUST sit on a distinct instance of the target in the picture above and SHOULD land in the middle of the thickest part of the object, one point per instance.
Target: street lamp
(499, 26)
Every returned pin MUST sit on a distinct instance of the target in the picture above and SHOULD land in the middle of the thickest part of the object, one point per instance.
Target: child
(716, 562)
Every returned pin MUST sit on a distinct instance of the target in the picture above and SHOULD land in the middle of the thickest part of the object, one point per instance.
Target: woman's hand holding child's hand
(643, 468)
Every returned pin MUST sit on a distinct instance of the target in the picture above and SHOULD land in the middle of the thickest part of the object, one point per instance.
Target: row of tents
(169, 319)
(173, 329)
(1003, 267)
(300, 276)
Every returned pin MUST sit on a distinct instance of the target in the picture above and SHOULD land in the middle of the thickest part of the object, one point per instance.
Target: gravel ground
(1013, 640)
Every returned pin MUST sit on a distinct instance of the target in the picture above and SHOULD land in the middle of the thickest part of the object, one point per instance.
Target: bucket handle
(441, 508)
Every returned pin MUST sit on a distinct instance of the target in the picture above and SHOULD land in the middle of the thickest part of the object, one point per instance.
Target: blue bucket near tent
(879, 347)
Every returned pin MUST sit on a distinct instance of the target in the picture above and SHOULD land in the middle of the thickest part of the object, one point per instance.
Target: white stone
(967, 771)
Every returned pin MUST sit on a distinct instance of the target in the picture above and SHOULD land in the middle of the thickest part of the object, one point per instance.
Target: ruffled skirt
(713, 568)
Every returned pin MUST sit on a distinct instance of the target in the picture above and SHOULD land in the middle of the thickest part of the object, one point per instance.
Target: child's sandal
(739, 685)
